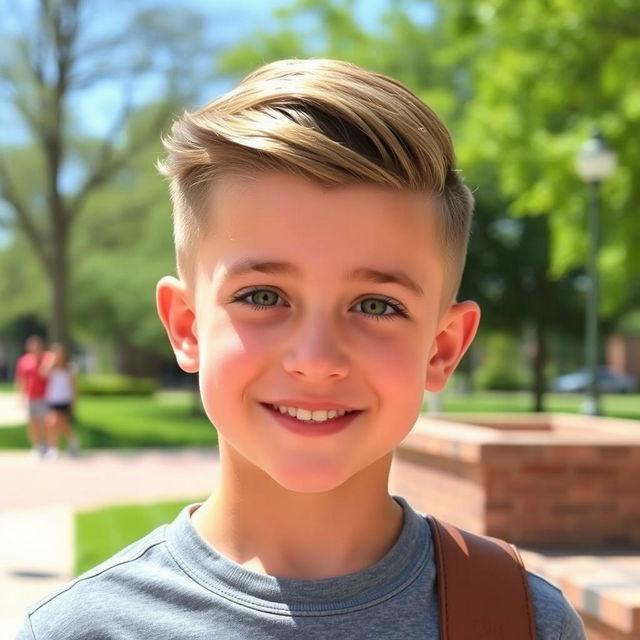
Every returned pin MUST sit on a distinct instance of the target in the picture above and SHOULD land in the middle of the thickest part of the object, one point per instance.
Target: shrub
(116, 385)
(502, 368)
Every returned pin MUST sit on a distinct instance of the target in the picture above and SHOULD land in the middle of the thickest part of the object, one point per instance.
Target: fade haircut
(326, 120)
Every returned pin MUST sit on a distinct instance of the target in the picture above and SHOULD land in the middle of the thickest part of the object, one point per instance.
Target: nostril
(316, 365)
(312, 372)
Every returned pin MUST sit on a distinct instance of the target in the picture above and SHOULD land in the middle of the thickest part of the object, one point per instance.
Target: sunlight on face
(315, 300)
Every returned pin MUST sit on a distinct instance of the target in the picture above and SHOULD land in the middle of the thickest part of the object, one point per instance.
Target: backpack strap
(483, 589)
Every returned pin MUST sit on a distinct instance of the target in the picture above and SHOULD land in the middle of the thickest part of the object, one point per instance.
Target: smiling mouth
(310, 417)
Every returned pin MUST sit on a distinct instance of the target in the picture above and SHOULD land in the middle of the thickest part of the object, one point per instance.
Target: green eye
(264, 298)
(375, 307)
(258, 298)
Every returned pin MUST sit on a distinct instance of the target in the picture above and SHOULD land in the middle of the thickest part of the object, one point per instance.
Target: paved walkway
(12, 410)
(39, 498)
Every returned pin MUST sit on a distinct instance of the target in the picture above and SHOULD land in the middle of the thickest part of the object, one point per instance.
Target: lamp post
(594, 163)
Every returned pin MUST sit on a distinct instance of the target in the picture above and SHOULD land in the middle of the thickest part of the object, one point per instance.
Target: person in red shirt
(33, 385)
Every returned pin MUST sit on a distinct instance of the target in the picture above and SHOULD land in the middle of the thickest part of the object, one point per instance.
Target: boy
(320, 230)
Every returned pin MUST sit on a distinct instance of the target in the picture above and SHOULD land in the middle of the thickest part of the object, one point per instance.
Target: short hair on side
(326, 120)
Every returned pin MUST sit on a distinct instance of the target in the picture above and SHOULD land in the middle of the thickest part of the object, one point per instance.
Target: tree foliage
(499, 74)
(543, 74)
(52, 53)
(519, 84)
(122, 248)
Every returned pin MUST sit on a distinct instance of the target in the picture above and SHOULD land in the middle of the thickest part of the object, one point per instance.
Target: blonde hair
(329, 121)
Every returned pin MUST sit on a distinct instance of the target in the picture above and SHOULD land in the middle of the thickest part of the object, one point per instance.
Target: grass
(168, 420)
(103, 532)
(162, 420)
(619, 406)
(142, 422)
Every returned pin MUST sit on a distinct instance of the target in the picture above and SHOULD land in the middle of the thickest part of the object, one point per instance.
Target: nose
(316, 352)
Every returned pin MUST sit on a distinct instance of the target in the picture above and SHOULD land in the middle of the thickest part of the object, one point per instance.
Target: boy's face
(313, 299)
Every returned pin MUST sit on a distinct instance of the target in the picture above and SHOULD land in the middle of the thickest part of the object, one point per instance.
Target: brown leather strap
(482, 587)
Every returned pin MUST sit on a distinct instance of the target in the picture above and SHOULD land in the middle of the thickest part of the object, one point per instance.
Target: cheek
(401, 360)
(398, 370)
(230, 354)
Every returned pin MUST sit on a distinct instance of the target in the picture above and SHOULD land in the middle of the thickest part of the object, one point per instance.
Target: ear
(175, 310)
(456, 332)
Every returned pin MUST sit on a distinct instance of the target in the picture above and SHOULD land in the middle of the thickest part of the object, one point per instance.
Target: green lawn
(620, 406)
(168, 420)
(162, 420)
(103, 532)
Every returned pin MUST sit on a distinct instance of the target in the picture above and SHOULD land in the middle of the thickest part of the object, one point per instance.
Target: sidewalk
(39, 499)
(12, 411)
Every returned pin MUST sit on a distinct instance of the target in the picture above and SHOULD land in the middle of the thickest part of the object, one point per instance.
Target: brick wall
(541, 490)
(623, 355)
(571, 483)
(449, 489)
(564, 495)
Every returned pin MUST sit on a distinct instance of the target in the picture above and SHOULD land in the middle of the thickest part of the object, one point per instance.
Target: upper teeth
(310, 416)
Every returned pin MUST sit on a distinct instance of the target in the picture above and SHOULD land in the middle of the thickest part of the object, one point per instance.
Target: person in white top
(60, 397)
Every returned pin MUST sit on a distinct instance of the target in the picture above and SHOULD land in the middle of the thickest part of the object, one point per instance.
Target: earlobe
(176, 313)
(457, 330)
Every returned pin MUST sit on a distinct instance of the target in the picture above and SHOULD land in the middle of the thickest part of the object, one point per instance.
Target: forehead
(278, 216)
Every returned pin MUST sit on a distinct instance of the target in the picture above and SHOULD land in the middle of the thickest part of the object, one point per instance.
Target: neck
(269, 529)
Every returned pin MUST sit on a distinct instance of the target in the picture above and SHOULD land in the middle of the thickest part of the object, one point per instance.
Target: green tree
(120, 250)
(53, 53)
(400, 47)
(542, 75)
(508, 273)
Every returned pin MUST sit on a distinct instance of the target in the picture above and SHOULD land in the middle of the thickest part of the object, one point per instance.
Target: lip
(329, 427)
(313, 405)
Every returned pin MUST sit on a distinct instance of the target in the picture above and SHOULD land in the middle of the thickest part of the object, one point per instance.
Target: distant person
(60, 397)
(32, 385)
(321, 228)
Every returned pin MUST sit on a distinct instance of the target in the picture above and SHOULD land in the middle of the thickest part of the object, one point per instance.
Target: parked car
(608, 382)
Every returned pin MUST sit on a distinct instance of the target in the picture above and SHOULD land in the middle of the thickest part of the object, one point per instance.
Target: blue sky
(228, 22)
(96, 106)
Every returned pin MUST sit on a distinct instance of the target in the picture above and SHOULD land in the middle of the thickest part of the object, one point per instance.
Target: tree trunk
(196, 406)
(539, 363)
(465, 370)
(59, 278)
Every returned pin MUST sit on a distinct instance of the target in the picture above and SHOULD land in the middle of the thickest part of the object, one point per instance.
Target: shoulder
(555, 618)
(85, 607)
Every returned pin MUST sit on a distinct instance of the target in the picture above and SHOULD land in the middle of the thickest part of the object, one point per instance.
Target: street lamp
(595, 162)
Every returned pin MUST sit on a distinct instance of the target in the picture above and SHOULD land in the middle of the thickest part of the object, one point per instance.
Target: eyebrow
(365, 274)
(262, 266)
(386, 277)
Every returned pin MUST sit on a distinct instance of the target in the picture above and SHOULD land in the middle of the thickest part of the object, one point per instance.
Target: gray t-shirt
(172, 584)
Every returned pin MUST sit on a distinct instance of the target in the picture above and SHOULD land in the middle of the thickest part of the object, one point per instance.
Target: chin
(309, 481)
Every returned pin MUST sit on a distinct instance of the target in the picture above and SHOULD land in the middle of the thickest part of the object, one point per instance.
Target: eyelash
(242, 296)
(398, 308)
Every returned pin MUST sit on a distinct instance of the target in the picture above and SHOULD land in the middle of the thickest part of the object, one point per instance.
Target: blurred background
(88, 86)
(531, 91)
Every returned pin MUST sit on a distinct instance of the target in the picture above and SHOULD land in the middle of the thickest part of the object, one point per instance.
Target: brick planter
(566, 486)
(534, 479)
